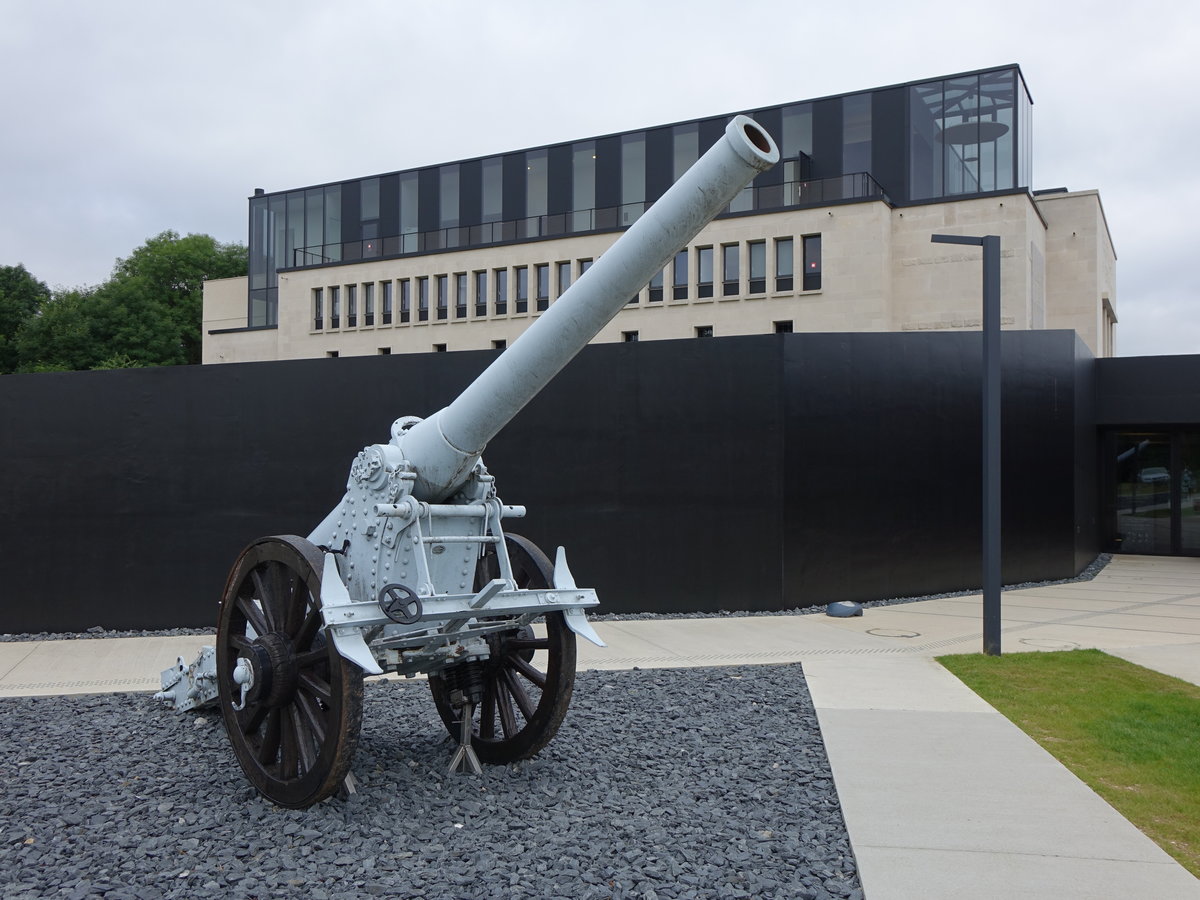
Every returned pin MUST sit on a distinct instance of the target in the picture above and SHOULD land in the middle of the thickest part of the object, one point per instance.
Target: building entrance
(1152, 491)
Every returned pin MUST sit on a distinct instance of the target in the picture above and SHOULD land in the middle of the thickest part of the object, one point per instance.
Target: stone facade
(878, 271)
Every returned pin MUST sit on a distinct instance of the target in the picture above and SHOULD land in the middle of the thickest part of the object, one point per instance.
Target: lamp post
(991, 432)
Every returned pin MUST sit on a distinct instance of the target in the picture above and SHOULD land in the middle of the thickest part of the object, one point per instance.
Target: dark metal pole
(991, 432)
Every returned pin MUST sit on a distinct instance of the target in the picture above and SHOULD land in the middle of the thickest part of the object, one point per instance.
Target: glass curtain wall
(968, 135)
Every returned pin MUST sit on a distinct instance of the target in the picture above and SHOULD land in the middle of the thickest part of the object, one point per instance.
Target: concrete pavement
(943, 797)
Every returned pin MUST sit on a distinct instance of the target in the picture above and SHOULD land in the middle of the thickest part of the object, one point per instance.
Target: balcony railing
(787, 195)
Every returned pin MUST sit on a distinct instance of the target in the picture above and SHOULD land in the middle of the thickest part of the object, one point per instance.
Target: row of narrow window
(628, 337)
(691, 275)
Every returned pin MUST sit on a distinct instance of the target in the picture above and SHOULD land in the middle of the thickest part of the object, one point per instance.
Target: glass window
(543, 286)
(856, 133)
(333, 224)
(408, 212)
(704, 331)
(277, 221)
(584, 265)
(260, 243)
(335, 307)
(656, 287)
(680, 276)
(783, 264)
(784, 327)
(318, 298)
(385, 301)
(423, 299)
(314, 227)
(1144, 493)
(758, 266)
(448, 183)
(962, 134)
(744, 201)
(536, 183)
(294, 249)
(998, 111)
(369, 303)
(460, 295)
(704, 277)
(352, 306)
(499, 344)
(629, 337)
(443, 296)
(797, 131)
(481, 292)
(583, 185)
(564, 277)
(500, 282)
(492, 189)
(370, 239)
(633, 177)
(685, 140)
(405, 300)
(370, 199)
(731, 279)
(812, 262)
(522, 275)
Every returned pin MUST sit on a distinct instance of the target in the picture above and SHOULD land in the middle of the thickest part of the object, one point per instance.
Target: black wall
(734, 473)
(882, 482)
(1148, 390)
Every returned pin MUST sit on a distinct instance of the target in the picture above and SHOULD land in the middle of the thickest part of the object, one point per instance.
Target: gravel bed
(687, 783)
(1092, 570)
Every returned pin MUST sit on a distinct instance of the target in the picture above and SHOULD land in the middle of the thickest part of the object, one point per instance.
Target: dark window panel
(812, 262)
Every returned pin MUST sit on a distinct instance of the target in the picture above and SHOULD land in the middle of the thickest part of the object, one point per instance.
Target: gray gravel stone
(661, 783)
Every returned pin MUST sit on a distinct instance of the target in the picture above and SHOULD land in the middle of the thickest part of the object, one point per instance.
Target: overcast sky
(123, 119)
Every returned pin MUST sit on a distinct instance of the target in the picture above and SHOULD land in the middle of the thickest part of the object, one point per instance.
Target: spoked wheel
(296, 733)
(524, 698)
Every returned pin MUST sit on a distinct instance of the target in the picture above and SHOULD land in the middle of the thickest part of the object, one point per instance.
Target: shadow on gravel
(661, 784)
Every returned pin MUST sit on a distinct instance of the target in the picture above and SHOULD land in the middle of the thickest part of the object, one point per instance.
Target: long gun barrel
(446, 446)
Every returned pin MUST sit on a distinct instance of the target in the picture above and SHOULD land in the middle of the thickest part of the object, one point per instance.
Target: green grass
(1130, 734)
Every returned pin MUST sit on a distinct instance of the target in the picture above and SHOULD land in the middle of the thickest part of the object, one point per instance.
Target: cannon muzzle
(445, 447)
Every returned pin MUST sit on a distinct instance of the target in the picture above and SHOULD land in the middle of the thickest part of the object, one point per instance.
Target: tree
(171, 271)
(62, 336)
(100, 328)
(21, 295)
(148, 313)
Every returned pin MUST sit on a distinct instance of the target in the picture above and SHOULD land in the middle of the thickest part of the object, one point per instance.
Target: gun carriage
(414, 572)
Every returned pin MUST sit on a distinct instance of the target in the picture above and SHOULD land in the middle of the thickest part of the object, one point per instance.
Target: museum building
(835, 238)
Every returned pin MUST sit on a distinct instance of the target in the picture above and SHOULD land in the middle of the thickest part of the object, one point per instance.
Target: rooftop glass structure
(920, 142)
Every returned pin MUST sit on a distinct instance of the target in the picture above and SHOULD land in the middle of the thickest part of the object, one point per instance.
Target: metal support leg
(464, 759)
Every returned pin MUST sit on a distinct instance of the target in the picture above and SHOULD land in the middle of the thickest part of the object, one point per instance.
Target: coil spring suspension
(465, 681)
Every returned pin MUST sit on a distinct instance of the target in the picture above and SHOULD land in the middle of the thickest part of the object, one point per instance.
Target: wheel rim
(296, 735)
(525, 698)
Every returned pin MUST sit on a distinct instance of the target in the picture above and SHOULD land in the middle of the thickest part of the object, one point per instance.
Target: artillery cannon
(413, 571)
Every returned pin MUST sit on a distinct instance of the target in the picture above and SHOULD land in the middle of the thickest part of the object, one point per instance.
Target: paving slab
(906, 873)
(1177, 660)
(95, 666)
(943, 797)
(14, 653)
